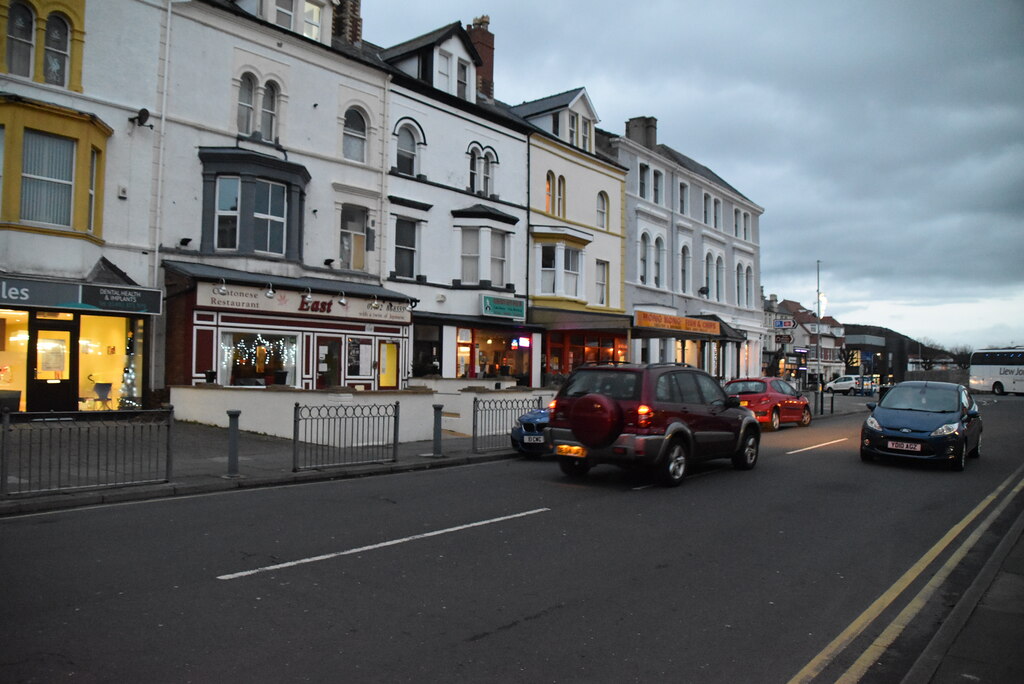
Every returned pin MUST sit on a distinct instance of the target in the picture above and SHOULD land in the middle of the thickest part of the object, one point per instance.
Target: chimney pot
(483, 40)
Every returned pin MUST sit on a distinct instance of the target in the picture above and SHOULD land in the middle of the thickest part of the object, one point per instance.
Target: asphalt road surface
(812, 567)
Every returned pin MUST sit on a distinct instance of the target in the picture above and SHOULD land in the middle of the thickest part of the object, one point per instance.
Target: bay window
(47, 181)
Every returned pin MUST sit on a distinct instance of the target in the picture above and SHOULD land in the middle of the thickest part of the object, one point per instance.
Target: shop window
(359, 358)
(353, 237)
(255, 359)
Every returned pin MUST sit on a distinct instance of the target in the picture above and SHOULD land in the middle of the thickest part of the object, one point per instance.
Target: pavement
(980, 640)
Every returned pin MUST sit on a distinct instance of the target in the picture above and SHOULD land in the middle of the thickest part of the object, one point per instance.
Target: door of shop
(52, 362)
(387, 352)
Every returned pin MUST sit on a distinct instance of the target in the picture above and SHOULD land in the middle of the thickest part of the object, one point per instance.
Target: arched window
(746, 226)
(659, 245)
(741, 287)
(549, 193)
(645, 245)
(246, 103)
(750, 288)
(561, 196)
(406, 151)
(353, 139)
(684, 269)
(719, 279)
(736, 222)
(602, 211)
(474, 162)
(21, 33)
(709, 269)
(487, 174)
(268, 117)
(57, 51)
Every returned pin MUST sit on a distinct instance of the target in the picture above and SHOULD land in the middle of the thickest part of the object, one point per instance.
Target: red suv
(664, 416)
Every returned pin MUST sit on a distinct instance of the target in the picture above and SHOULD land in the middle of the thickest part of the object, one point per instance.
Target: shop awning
(473, 321)
(214, 274)
(562, 319)
(701, 327)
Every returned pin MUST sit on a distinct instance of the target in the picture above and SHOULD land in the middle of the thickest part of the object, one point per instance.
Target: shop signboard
(505, 307)
(647, 319)
(19, 292)
(255, 300)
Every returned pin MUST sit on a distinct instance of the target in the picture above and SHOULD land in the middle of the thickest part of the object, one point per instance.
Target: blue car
(933, 421)
(528, 434)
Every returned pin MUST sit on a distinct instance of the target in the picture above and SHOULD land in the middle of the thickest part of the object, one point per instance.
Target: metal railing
(326, 436)
(42, 453)
(493, 420)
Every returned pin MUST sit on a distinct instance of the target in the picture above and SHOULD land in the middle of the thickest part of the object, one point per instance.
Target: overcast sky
(884, 138)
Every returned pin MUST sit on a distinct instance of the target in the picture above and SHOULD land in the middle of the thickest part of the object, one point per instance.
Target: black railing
(326, 436)
(42, 453)
(493, 420)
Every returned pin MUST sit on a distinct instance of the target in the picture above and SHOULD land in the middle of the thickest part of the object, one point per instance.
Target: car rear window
(612, 383)
(745, 387)
(921, 398)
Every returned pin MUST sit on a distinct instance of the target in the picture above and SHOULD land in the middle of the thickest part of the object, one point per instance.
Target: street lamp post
(817, 301)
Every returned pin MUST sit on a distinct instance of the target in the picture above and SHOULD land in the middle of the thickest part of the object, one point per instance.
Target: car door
(972, 424)
(790, 406)
(722, 425)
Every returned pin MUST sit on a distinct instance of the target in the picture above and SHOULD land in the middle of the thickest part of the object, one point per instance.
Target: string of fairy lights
(249, 351)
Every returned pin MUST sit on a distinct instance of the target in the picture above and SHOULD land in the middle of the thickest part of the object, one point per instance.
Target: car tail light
(644, 415)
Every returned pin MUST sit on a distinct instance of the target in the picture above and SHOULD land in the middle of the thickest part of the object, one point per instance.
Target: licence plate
(533, 439)
(904, 446)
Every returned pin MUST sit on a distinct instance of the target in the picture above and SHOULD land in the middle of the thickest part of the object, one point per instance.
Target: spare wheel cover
(596, 420)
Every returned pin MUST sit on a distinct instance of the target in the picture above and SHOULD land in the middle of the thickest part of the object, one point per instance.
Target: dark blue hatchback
(936, 421)
(528, 434)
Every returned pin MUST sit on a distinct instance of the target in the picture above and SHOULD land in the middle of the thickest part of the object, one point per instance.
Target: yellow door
(387, 374)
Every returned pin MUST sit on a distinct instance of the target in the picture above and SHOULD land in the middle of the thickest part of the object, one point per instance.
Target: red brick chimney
(348, 22)
(483, 41)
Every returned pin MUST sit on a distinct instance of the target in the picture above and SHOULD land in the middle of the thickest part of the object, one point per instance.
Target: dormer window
(444, 72)
(554, 124)
(284, 12)
(462, 88)
(585, 143)
(311, 21)
(573, 119)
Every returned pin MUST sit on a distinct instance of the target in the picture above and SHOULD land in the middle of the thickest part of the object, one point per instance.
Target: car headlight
(947, 429)
(873, 424)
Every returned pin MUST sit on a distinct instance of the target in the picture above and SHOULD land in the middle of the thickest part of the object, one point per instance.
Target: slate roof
(696, 167)
(432, 38)
(546, 104)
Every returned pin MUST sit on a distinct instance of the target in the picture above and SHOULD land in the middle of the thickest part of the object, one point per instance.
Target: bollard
(233, 443)
(437, 430)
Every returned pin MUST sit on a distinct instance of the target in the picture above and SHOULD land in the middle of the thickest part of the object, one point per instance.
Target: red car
(773, 401)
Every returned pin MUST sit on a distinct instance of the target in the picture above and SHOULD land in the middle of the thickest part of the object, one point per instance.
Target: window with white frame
(269, 217)
(736, 222)
(571, 274)
(471, 256)
(474, 167)
(642, 180)
(462, 88)
(684, 193)
(249, 91)
(3, 133)
(499, 248)
(547, 269)
(57, 51)
(444, 71)
(741, 286)
(645, 247)
(227, 212)
(354, 221)
(749, 287)
(573, 120)
(284, 13)
(659, 247)
(602, 210)
(405, 248)
(709, 273)
(268, 118)
(353, 139)
(312, 20)
(718, 213)
(246, 103)
(585, 142)
(487, 173)
(656, 187)
(406, 162)
(707, 209)
(554, 124)
(746, 226)
(47, 178)
(560, 198)
(602, 268)
(94, 158)
(21, 36)
(549, 192)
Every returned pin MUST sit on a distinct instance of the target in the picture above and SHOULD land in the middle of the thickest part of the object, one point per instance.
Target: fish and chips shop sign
(646, 319)
(22, 292)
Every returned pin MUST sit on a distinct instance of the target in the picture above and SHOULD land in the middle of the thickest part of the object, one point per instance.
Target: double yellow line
(873, 652)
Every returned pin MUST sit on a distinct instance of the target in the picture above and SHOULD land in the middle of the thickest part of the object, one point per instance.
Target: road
(510, 572)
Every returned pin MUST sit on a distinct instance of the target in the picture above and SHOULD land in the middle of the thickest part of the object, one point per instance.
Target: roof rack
(606, 363)
(676, 364)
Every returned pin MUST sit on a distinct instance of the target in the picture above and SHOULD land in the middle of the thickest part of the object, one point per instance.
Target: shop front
(573, 338)
(495, 344)
(243, 330)
(71, 346)
(704, 341)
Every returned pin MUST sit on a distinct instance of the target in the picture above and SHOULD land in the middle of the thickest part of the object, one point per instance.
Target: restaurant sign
(255, 300)
(646, 319)
(63, 295)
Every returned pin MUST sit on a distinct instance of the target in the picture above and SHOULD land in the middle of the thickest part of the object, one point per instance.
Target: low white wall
(270, 411)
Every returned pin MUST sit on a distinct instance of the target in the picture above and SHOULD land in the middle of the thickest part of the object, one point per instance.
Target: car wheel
(847, 392)
(746, 457)
(576, 468)
(998, 390)
(596, 420)
(805, 417)
(773, 422)
(673, 468)
(959, 461)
